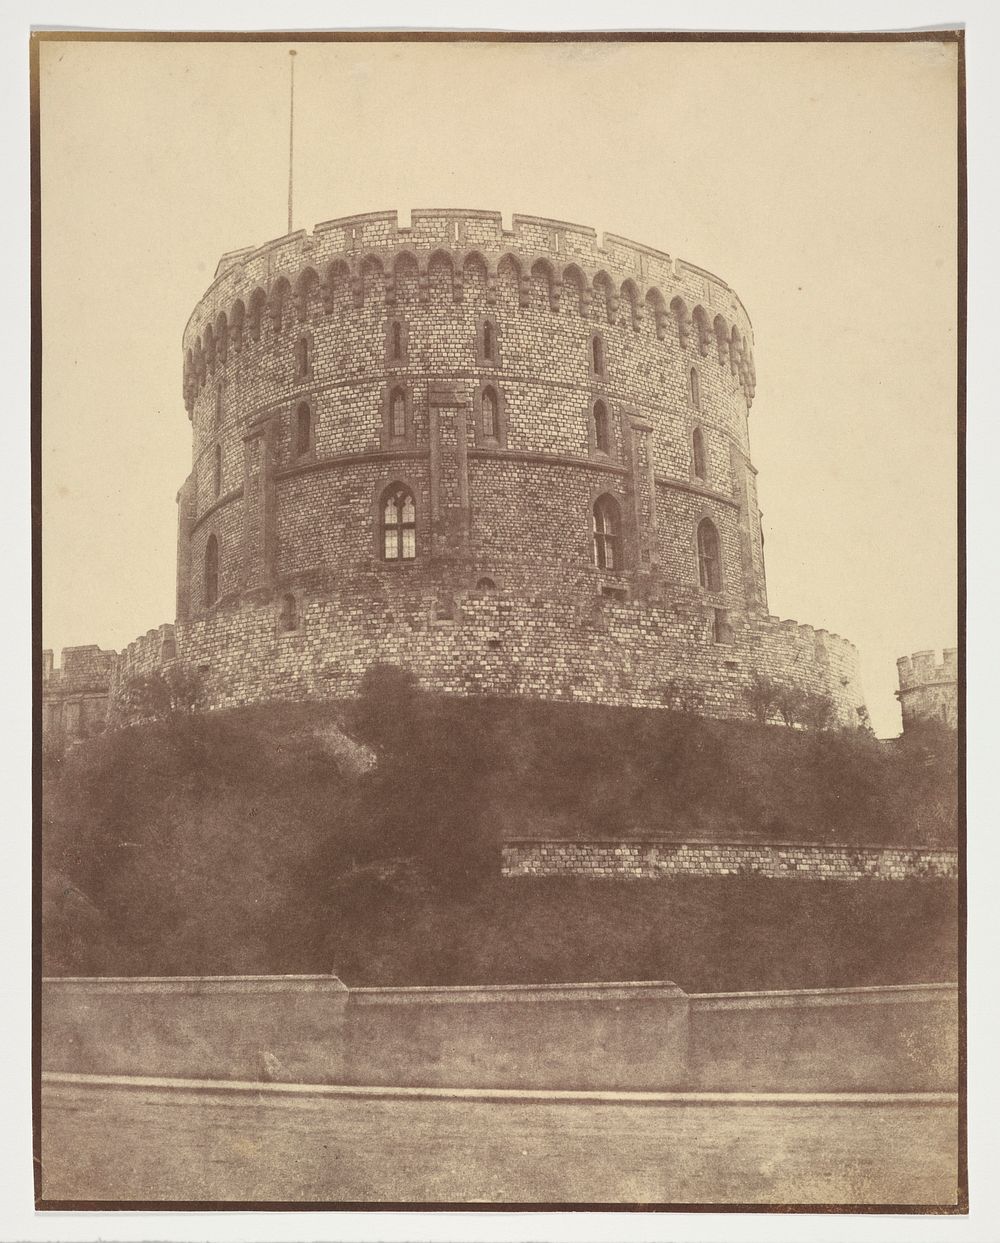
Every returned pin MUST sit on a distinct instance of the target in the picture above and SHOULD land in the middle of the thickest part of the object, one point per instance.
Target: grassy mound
(363, 838)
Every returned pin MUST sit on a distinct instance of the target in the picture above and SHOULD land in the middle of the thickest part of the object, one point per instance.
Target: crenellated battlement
(637, 283)
(87, 667)
(924, 668)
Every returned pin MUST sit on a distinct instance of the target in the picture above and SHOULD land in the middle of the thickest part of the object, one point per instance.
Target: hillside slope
(363, 838)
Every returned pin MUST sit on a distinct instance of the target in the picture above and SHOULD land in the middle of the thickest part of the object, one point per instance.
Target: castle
(515, 461)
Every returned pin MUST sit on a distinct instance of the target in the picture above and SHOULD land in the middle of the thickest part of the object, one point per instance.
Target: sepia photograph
(499, 687)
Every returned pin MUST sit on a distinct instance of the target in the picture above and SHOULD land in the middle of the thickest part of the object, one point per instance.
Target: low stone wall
(904, 1039)
(632, 1036)
(657, 858)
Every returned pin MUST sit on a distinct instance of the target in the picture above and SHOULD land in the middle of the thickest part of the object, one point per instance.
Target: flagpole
(291, 132)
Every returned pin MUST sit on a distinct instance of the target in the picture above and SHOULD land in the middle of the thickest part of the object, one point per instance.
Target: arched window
(491, 422)
(698, 453)
(695, 390)
(396, 342)
(489, 342)
(288, 618)
(709, 563)
(303, 429)
(597, 351)
(399, 524)
(486, 584)
(211, 571)
(602, 428)
(397, 412)
(607, 534)
(217, 471)
(303, 357)
(218, 405)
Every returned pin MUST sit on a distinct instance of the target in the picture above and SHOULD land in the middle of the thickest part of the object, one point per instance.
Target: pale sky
(818, 179)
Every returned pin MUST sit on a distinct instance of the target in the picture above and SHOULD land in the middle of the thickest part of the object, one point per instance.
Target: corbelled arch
(683, 317)
(722, 338)
(306, 287)
(574, 275)
(255, 313)
(703, 330)
(278, 300)
(222, 336)
(630, 295)
(603, 282)
(658, 309)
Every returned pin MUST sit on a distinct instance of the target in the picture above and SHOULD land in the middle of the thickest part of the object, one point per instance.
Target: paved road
(153, 1140)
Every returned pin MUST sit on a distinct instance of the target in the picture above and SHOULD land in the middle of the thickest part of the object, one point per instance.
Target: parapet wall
(467, 230)
(626, 654)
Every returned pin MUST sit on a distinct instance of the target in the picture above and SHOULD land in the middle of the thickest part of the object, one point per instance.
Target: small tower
(928, 690)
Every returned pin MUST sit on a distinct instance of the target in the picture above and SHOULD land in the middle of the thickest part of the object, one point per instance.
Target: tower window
(709, 563)
(217, 471)
(397, 413)
(303, 357)
(602, 428)
(399, 524)
(698, 453)
(491, 423)
(288, 618)
(396, 343)
(607, 534)
(303, 430)
(597, 355)
(489, 342)
(211, 571)
(218, 405)
(695, 389)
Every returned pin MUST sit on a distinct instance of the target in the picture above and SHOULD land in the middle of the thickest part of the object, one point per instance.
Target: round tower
(516, 461)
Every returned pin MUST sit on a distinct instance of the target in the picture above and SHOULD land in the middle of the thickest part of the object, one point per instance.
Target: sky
(817, 179)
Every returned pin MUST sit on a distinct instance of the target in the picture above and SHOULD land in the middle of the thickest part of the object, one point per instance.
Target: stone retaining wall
(653, 858)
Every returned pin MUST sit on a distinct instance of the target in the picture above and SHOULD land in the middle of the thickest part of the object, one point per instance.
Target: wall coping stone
(722, 843)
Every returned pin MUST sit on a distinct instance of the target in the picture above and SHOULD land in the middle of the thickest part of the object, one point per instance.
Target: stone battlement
(83, 668)
(923, 668)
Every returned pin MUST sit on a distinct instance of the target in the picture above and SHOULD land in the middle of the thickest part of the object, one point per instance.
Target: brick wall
(783, 860)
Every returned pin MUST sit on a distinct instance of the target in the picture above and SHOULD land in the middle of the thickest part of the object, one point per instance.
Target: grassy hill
(362, 838)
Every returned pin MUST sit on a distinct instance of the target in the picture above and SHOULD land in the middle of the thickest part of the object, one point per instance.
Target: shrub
(762, 696)
(158, 695)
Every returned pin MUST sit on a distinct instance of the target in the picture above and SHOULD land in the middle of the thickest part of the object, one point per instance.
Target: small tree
(682, 696)
(162, 693)
(762, 696)
(815, 711)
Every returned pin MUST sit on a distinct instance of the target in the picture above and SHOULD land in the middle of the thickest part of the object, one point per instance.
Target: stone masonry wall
(782, 860)
(631, 654)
